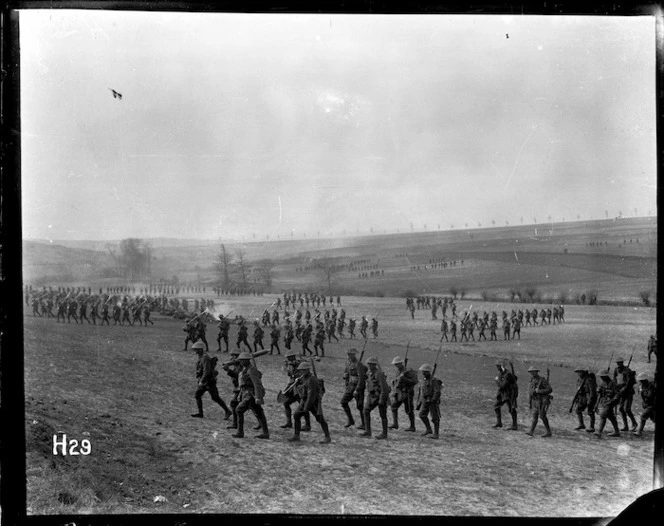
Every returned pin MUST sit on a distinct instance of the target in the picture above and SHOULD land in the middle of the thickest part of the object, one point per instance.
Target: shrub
(592, 297)
(485, 295)
(408, 294)
(454, 291)
(562, 297)
(462, 292)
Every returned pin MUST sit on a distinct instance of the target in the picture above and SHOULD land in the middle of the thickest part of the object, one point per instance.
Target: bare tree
(243, 266)
(224, 265)
(112, 251)
(328, 270)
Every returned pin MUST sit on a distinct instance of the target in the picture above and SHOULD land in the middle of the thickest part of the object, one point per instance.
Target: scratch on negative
(518, 155)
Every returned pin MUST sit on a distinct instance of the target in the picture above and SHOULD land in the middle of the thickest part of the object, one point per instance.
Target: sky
(240, 126)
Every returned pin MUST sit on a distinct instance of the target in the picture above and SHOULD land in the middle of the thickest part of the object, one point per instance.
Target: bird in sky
(116, 94)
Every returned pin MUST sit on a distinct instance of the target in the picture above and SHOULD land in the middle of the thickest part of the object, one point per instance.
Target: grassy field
(129, 390)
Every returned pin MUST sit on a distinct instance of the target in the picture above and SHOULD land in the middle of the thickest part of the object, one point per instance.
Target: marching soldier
(319, 341)
(223, 326)
(648, 391)
(306, 338)
(93, 313)
(493, 327)
(258, 336)
(72, 312)
(378, 391)
(453, 330)
(428, 400)
(104, 314)
(443, 329)
(351, 328)
(274, 338)
(364, 324)
(146, 315)
(652, 347)
(355, 383)
(625, 380)
(310, 393)
(290, 395)
(516, 328)
(506, 329)
(508, 392)
(233, 369)
(251, 396)
(242, 334)
(374, 327)
(539, 392)
(586, 398)
(404, 393)
(607, 399)
(288, 339)
(207, 381)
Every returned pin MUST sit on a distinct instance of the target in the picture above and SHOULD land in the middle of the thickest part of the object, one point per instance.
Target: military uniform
(539, 395)
(354, 376)
(625, 380)
(404, 393)
(364, 324)
(648, 393)
(223, 326)
(586, 398)
(428, 401)
(508, 392)
(453, 331)
(306, 338)
(319, 341)
(290, 368)
(251, 397)
(374, 327)
(310, 392)
(242, 335)
(351, 328)
(258, 337)
(207, 382)
(274, 339)
(443, 329)
(652, 347)
(607, 399)
(377, 395)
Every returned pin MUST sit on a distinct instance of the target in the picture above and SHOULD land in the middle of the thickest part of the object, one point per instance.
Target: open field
(129, 390)
(557, 259)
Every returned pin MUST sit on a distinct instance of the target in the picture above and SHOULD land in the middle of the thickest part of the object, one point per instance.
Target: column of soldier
(367, 385)
(467, 323)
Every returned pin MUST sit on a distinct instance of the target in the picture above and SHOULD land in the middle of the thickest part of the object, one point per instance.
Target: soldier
(35, 308)
(428, 400)
(104, 314)
(404, 393)
(71, 312)
(137, 315)
(453, 330)
(470, 327)
(539, 395)
(319, 341)
(258, 336)
(251, 396)
(652, 347)
(117, 314)
(364, 324)
(607, 399)
(310, 392)
(223, 326)
(306, 338)
(528, 317)
(232, 369)
(290, 394)
(191, 329)
(341, 323)
(585, 398)
(481, 335)
(508, 392)
(207, 381)
(464, 333)
(275, 333)
(288, 339)
(648, 391)
(534, 315)
(331, 329)
(374, 327)
(146, 315)
(625, 380)
(411, 308)
(506, 329)
(242, 334)
(493, 326)
(443, 329)
(125, 315)
(351, 328)
(377, 395)
(516, 328)
(355, 383)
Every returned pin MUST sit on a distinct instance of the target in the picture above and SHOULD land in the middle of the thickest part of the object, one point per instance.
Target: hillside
(617, 258)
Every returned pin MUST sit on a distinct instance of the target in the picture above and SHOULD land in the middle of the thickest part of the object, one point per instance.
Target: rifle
(362, 353)
(631, 356)
(435, 364)
(578, 392)
(611, 360)
(254, 355)
(405, 360)
(319, 405)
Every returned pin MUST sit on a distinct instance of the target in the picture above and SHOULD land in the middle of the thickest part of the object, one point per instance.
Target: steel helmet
(373, 359)
(426, 367)
(198, 345)
(396, 360)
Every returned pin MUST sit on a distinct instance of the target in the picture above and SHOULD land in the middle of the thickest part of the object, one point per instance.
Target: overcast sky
(239, 124)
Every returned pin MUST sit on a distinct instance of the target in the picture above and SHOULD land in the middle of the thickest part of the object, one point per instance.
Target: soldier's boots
(499, 420)
(624, 419)
(591, 426)
(349, 415)
(199, 404)
(366, 427)
(263, 424)
(294, 438)
(383, 435)
(362, 426)
(436, 428)
(581, 424)
(257, 426)
(411, 417)
(634, 424)
(287, 425)
(395, 419)
(197, 415)
(514, 426)
(240, 426)
(639, 432)
(428, 430)
(546, 426)
(533, 424)
(326, 430)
